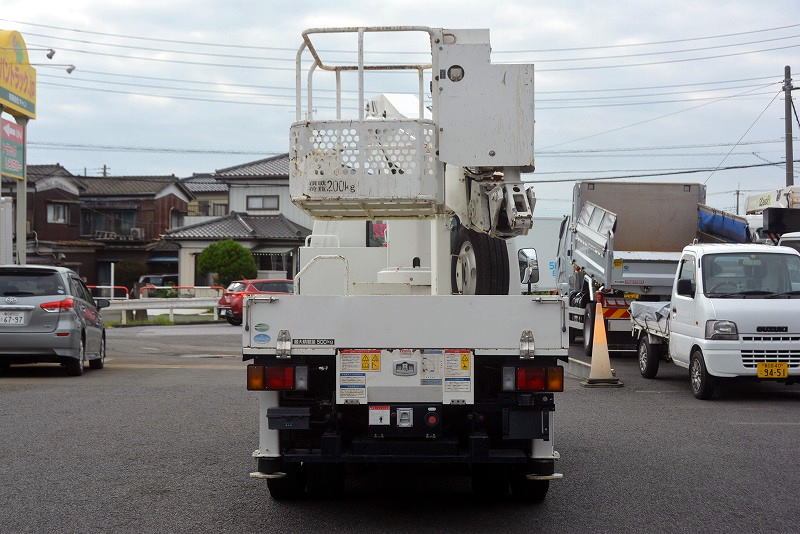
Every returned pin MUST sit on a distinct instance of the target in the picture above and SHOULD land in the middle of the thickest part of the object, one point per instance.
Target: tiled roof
(241, 226)
(37, 172)
(125, 185)
(272, 167)
(204, 183)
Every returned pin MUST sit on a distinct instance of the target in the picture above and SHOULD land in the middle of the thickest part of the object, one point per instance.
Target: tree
(230, 260)
(127, 272)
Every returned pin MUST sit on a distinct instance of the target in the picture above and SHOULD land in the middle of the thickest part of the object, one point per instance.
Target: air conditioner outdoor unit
(137, 233)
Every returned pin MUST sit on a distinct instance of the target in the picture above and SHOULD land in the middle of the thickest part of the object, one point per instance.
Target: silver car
(47, 314)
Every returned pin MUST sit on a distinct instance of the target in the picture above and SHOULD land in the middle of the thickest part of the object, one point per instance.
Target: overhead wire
(292, 105)
(292, 59)
(744, 134)
(652, 119)
(255, 47)
(652, 175)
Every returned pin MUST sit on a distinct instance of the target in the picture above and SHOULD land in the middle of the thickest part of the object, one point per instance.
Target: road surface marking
(173, 366)
(760, 423)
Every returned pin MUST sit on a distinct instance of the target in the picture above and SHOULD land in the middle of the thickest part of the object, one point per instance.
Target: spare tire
(479, 264)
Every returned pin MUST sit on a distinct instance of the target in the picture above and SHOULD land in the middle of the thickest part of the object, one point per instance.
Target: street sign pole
(22, 199)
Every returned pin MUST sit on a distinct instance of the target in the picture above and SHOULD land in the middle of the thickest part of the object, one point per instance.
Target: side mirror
(102, 303)
(528, 266)
(685, 288)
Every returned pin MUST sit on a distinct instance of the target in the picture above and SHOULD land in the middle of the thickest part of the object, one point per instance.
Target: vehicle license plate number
(12, 318)
(773, 369)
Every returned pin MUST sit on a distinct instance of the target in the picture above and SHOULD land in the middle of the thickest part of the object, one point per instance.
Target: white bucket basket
(365, 169)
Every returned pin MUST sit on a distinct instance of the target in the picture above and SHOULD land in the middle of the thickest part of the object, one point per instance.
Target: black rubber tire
(234, 321)
(649, 357)
(588, 329)
(573, 335)
(703, 384)
(290, 487)
(74, 366)
(325, 480)
(526, 490)
(490, 482)
(99, 363)
(491, 256)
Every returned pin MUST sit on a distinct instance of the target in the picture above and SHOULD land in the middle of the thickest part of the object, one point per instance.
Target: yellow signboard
(17, 77)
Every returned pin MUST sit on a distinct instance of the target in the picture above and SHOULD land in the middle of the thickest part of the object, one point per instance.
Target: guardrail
(112, 291)
(170, 304)
(184, 291)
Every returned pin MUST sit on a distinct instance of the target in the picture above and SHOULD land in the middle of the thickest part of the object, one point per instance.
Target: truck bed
(486, 324)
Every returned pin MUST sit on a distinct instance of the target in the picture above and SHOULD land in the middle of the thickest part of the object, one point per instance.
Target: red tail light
(58, 305)
(531, 378)
(540, 378)
(275, 378)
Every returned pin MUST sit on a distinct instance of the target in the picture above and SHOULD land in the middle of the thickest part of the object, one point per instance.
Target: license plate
(12, 318)
(773, 369)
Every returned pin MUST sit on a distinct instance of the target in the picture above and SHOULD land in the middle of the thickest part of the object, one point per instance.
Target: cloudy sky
(622, 87)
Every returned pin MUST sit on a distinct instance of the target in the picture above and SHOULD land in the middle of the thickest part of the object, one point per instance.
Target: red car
(230, 305)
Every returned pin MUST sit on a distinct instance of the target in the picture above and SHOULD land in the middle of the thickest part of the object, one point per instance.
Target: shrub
(230, 260)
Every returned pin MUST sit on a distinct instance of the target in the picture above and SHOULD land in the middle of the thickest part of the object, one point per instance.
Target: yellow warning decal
(465, 362)
(618, 264)
(371, 361)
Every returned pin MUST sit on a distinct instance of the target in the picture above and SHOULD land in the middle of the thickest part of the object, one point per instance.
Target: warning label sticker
(457, 384)
(457, 364)
(360, 360)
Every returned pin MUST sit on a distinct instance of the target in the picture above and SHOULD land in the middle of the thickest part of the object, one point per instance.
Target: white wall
(238, 194)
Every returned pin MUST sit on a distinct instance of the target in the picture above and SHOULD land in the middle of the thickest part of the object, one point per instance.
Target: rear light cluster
(58, 305)
(533, 378)
(277, 377)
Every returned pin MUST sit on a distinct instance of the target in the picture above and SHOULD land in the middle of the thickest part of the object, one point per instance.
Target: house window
(58, 213)
(220, 210)
(268, 202)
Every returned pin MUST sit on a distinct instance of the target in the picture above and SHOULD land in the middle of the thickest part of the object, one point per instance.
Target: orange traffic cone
(600, 374)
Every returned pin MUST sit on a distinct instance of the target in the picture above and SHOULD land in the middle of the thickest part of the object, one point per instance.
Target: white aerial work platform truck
(375, 359)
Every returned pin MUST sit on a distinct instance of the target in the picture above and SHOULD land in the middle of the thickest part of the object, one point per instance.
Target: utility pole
(738, 191)
(787, 120)
(105, 167)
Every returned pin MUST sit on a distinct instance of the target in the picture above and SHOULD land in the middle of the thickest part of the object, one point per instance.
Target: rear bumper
(39, 346)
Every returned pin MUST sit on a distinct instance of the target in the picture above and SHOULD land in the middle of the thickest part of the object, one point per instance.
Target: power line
(570, 153)
(192, 89)
(253, 47)
(693, 171)
(129, 148)
(291, 59)
(292, 105)
(660, 147)
(668, 61)
(745, 133)
(648, 102)
(560, 69)
(650, 43)
(662, 52)
(274, 87)
(645, 121)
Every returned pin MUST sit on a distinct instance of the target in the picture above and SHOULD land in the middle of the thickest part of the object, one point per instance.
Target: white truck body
(737, 314)
(374, 359)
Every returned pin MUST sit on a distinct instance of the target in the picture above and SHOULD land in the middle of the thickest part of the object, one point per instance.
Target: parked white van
(735, 311)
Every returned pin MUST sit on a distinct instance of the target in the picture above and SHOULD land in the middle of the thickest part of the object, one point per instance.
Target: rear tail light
(58, 305)
(277, 378)
(533, 378)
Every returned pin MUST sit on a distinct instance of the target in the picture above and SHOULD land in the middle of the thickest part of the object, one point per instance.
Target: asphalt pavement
(160, 441)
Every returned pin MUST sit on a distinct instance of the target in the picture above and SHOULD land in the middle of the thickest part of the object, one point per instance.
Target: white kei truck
(734, 312)
(374, 359)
